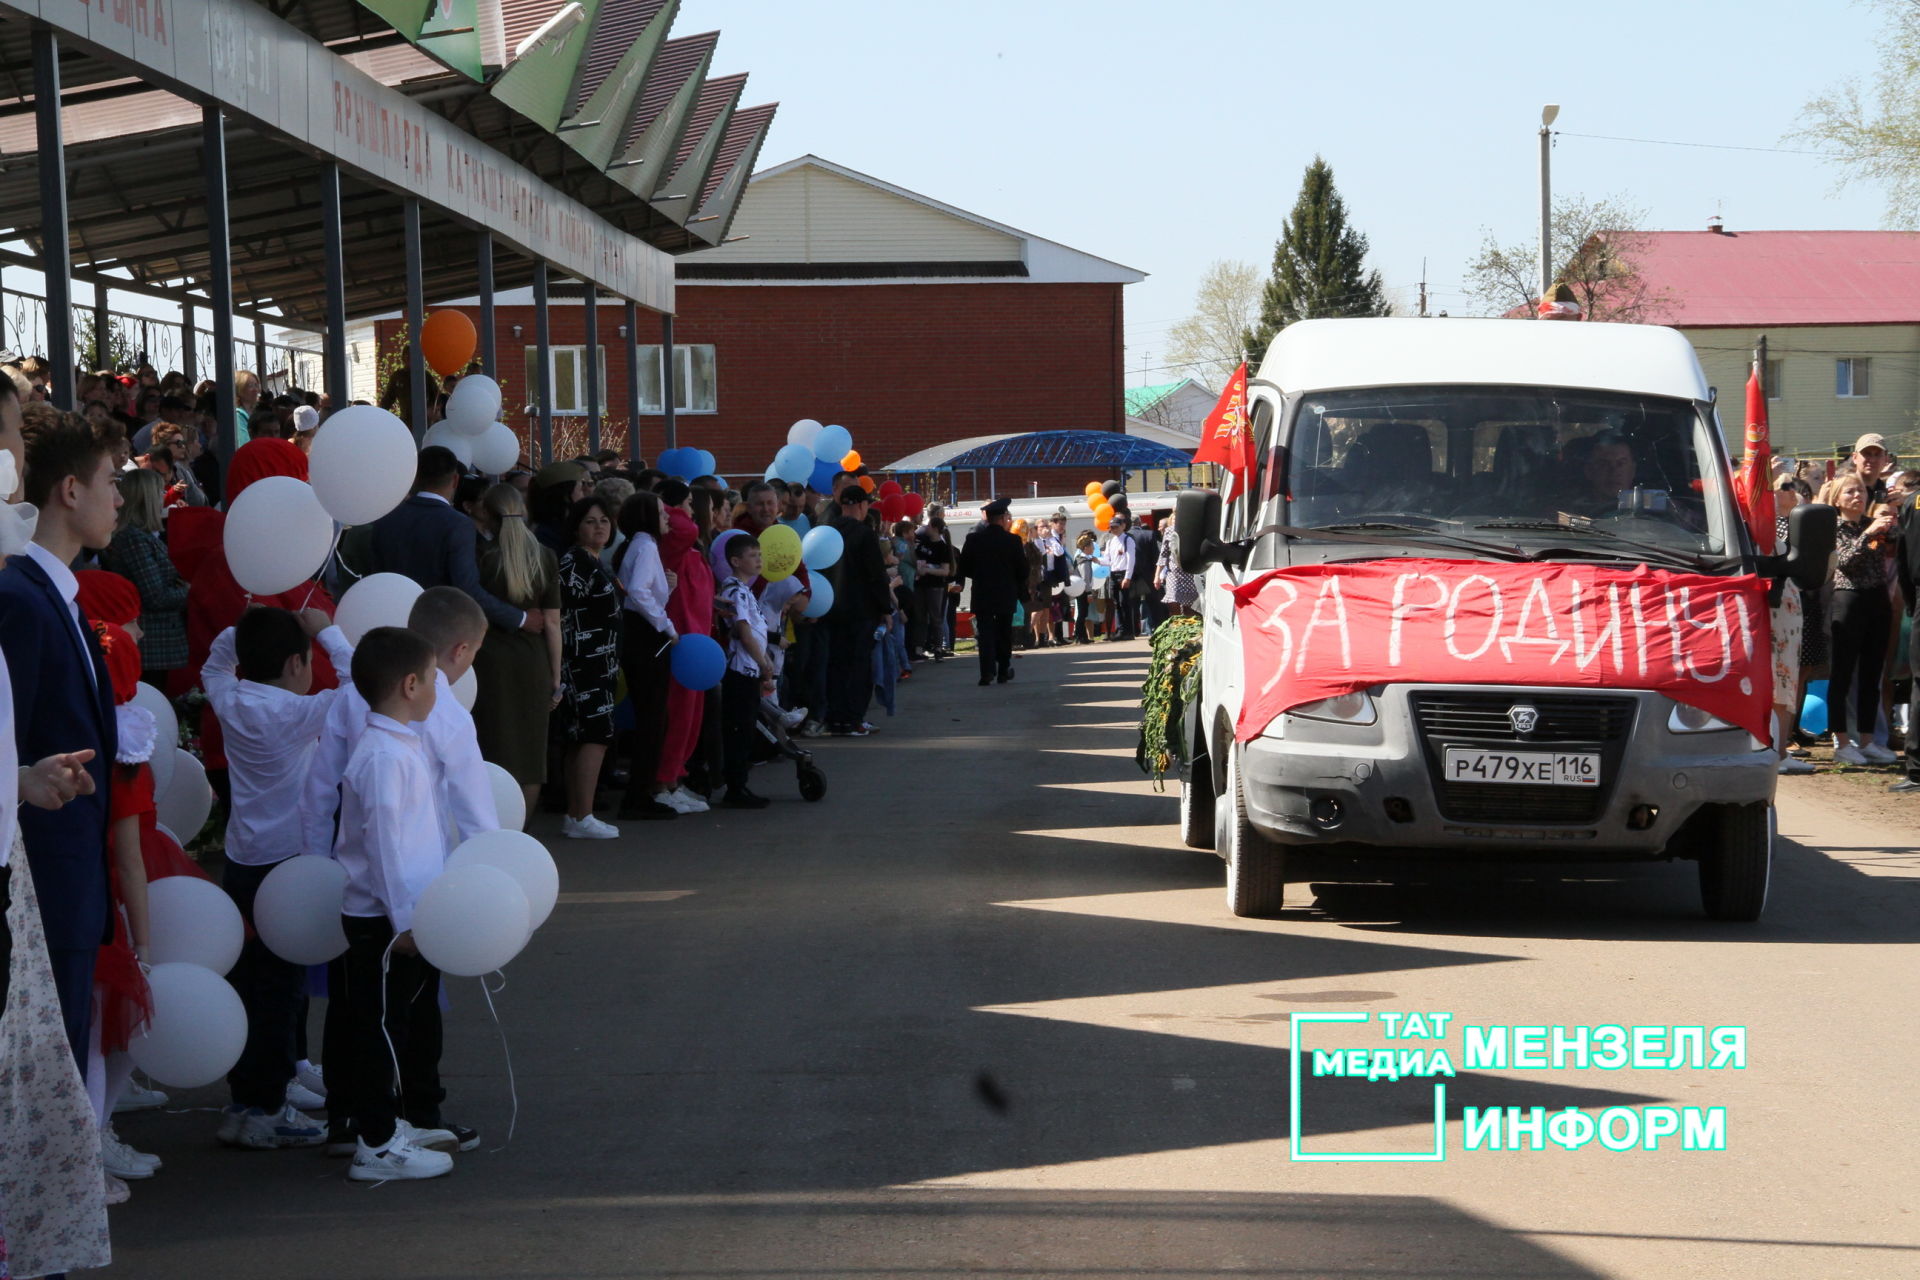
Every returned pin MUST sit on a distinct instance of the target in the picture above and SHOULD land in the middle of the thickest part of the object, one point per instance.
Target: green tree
(1597, 246)
(121, 354)
(1319, 266)
(1874, 133)
(1208, 343)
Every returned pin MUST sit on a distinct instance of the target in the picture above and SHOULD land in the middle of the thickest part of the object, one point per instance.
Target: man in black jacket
(1906, 566)
(426, 540)
(995, 562)
(861, 602)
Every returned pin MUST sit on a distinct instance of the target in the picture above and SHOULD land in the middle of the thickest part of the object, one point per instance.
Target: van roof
(1329, 355)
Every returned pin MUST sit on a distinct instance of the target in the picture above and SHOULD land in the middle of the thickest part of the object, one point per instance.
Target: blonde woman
(1861, 620)
(246, 394)
(518, 671)
(138, 554)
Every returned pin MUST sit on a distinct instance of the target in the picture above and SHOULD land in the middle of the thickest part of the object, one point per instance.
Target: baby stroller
(777, 744)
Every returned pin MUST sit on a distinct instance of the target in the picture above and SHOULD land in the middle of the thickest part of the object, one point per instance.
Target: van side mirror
(1196, 521)
(1810, 541)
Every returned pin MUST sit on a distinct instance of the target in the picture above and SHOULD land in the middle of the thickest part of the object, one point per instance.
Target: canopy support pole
(334, 342)
(189, 346)
(259, 350)
(489, 334)
(633, 382)
(667, 392)
(592, 361)
(53, 216)
(213, 138)
(543, 344)
(416, 316)
(102, 330)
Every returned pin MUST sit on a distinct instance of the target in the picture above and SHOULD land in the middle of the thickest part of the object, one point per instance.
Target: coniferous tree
(1319, 265)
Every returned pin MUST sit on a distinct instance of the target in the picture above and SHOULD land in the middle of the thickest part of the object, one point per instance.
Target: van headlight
(1691, 719)
(1348, 708)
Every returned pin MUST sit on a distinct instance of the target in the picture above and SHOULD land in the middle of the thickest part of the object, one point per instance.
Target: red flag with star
(1226, 437)
(1753, 482)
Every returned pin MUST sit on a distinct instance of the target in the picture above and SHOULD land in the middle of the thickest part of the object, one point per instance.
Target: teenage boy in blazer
(63, 700)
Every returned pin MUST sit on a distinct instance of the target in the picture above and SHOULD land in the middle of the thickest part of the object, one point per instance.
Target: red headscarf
(107, 597)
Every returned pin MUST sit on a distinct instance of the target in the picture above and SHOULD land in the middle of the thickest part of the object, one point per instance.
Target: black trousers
(1913, 721)
(271, 989)
(644, 654)
(1859, 652)
(361, 1085)
(849, 670)
(739, 704)
(993, 634)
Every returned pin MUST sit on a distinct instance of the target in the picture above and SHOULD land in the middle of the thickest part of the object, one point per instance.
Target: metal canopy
(1112, 450)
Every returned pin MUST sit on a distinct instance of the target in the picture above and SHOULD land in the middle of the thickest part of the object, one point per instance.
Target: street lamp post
(1547, 115)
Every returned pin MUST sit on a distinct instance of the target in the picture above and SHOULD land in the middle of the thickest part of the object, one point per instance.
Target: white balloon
(297, 909)
(277, 535)
(496, 450)
(198, 1029)
(362, 464)
(193, 921)
(1076, 587)
(803, 433)
(471, 920)
(377, 600)
(466, 690)
(443, 434)
(508, 798)
(474, 405)
(520, 856)
(166, 734)
(189, 796)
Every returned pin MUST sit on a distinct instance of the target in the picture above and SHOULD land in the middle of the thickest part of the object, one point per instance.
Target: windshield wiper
(1670, 555)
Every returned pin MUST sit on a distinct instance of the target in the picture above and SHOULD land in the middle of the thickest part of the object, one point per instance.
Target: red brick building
(843, 298)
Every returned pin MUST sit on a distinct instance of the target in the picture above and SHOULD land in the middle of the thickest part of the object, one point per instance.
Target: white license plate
(1524, 768)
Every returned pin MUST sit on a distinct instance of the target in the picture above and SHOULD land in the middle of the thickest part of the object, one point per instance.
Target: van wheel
(1197, 805)
(1256, 868)
(1736, 862)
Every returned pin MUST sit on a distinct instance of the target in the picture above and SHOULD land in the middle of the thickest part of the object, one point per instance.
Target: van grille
(1600, 724)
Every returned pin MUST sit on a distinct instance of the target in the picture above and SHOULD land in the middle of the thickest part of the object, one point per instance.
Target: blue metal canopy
(1111, 450)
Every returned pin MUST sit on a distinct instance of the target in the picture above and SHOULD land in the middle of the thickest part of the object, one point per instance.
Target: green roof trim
(1140, 399)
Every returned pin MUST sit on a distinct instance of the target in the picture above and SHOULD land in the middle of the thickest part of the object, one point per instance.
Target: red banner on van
(1318, 631)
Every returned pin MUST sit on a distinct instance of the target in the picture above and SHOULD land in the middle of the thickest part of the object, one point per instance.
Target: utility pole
(1547, 115)
(1423, 288)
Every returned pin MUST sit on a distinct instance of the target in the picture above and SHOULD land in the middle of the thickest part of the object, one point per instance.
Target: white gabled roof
(1328, 355)
(872, 221)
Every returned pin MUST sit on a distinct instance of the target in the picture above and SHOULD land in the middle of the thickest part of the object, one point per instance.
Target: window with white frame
(1852, 377)
(1771, 376)
(695, 385)
(569, 379)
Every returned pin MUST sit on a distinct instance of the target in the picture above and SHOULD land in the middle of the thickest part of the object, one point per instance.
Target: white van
(1405, 466)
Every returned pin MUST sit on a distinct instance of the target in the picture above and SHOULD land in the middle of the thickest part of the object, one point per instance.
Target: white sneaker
(812, 729)
(116, 1191)
(138, 1099)
(301, 1098)
(1849, 754)
(309, 1077)
(588, 828)
(1878, 754)
(1790, 765)
(795, 717)
(259, 1130)
(686, 801)
(399, 1159)
(121, 1160)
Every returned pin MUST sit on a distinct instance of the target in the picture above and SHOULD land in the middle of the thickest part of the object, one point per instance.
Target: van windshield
(1533, 463)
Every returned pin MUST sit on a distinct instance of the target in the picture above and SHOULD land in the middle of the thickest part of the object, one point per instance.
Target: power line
(1716, 146)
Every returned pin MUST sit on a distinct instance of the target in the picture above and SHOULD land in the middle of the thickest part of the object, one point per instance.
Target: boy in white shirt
(392, 844)
(258, 676)
(448, 619)
(749, 674)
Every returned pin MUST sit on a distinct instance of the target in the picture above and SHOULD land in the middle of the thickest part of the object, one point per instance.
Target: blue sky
(1164, 136)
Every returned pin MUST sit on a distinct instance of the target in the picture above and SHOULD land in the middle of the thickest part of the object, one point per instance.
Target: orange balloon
(1093, 487)
(851, 462)
(448, 341)
(1102, 518)
(866, 482)
(1103, 510)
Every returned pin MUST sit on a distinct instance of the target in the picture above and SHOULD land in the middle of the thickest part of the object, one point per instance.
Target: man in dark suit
(426, 539)
(63, 701)
(861, 602)
(995, 562)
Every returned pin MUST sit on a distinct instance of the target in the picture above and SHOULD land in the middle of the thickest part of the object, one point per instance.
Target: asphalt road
(977, 1013)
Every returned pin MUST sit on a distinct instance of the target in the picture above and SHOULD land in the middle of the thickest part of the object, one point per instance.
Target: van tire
(1196, 805)
(1736, 862)
(1256, 867)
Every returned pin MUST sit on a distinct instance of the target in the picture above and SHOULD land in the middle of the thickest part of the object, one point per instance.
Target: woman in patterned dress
(589, 661)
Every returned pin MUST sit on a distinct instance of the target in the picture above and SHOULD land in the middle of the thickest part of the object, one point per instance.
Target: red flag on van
(1226, 437)
(1753, 483)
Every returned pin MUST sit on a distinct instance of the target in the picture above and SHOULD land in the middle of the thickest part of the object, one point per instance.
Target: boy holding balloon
(749, 673)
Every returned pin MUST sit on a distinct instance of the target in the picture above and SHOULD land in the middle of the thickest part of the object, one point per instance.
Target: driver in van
(1609, 467)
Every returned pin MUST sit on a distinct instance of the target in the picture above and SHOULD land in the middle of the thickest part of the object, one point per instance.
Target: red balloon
(889, 487)
(915, 504)
(893, 507)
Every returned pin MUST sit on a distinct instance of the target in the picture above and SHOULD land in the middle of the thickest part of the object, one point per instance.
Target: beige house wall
(1807, 418)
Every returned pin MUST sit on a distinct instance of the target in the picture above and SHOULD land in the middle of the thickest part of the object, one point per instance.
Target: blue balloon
(697, 662)
(1813, 712)
(822, 597)
(833, 444)
(770, 474)
(794, 463)
(821, 481)
(821, 548)
(682, 462)
(704, 463)
(1101, 573)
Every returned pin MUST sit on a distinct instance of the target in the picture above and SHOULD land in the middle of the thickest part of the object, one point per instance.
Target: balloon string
(512, 1091)
(313, 584)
